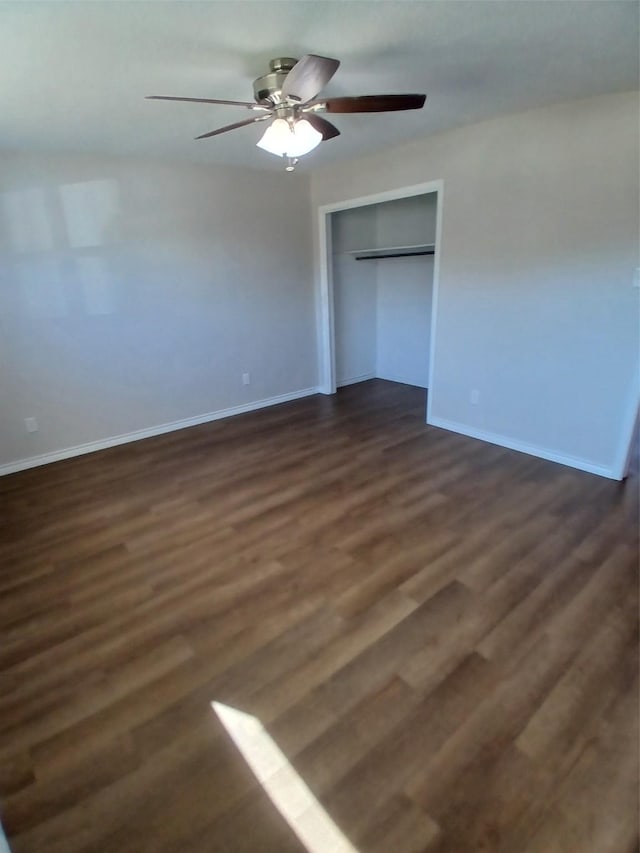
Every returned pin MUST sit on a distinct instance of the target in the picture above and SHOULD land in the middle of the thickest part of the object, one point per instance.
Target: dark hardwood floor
(440, 635)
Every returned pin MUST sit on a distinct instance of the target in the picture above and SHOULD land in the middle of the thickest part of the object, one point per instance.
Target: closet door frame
(326, 324)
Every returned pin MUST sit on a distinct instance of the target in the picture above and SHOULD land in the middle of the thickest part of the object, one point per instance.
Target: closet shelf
(392, 252)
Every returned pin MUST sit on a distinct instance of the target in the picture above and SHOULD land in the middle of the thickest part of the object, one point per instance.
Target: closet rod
(395, 255)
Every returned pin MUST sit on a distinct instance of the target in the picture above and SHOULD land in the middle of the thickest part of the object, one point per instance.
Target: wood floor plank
(607, 771)
(439, 635)
(504, 714)
(400, 825)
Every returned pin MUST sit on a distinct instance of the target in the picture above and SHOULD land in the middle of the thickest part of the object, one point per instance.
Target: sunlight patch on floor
(286, 790)
(4, 845)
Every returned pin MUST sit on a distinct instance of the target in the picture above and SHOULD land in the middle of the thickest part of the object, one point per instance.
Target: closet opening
(378, 289)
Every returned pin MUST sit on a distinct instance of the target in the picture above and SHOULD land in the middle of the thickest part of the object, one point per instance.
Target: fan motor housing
(267, 88)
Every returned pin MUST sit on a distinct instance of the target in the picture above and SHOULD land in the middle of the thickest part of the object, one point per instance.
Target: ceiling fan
(287, 95)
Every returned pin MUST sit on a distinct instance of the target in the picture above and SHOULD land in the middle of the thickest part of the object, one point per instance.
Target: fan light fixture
(292, 141)
(288, 94)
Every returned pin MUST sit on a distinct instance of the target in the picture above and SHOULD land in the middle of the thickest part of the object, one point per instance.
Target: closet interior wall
(382, 308)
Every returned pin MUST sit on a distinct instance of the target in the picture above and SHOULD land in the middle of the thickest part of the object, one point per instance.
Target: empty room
(319, 394)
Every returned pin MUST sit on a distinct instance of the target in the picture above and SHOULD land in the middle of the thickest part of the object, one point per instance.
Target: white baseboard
(522, 447)
(355, 379)
(137, 435)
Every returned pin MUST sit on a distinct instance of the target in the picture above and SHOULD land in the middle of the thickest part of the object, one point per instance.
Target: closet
(382, 259)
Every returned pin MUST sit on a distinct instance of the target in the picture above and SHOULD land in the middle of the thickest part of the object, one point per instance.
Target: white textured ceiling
(73, 75)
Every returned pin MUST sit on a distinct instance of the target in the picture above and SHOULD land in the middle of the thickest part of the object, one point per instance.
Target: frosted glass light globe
(281, 140)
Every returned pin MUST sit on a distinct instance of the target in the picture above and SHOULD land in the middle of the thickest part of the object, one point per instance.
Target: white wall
(406, 221)
(405, 290)
(354, 294)
(135, 293)
(539, 242)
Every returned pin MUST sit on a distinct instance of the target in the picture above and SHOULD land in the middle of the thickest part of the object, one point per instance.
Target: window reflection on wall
(27, 220)
(59, 243)
(89, 208)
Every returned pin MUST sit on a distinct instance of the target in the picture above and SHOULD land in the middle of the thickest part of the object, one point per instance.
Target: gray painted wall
(354, 295)
(135, 293)
(536, 310)
(405, 290)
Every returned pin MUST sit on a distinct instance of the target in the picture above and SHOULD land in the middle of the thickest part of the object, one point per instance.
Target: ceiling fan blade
(308, 76)
(232, 126)
(323, 126)
(252, 106)
(373, 103)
